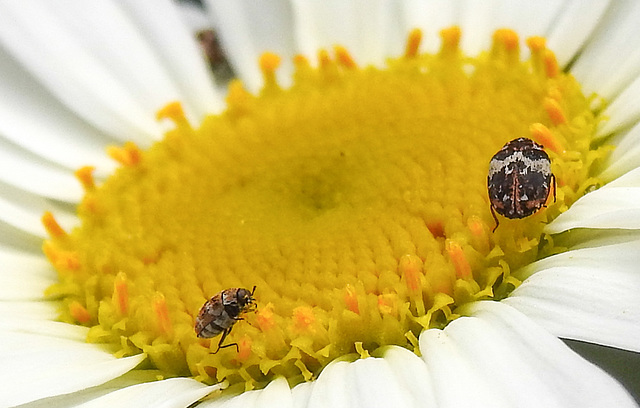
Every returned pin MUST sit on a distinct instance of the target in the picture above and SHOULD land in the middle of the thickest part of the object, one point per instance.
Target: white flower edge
(494, 348)
(615, 205)
(587, 294)
(71, 366)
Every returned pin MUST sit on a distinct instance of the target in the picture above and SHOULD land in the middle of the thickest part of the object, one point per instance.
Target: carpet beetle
(221, 312)
(519, 179)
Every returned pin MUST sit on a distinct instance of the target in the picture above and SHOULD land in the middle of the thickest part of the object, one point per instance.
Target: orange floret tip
(54, 229)
(172, 111)
(555, 112)
(300, 61)
(269, 62)
(351, 299)
(459, 260)
(387, 304)
(127, 155)
(79, 312)
(536, 44)
(410, 268)
(303, 317)
(450, 40)
(344, 58)
(505, 42)
(479, 232)
(264, 317)
(324, 61)
(541, 134)
(413, 43)
(85, 176)
(159, 306)
(62, 260)
(120, 297)
(551, 64)
(244, 348)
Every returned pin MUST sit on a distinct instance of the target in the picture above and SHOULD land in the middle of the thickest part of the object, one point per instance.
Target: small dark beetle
(519, 179)
(221, 312)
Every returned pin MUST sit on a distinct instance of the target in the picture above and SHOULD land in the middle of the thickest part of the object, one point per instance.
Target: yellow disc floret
(355, 201)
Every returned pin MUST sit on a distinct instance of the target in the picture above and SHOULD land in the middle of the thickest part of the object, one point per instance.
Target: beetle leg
(224, 336)
(495, 218)
(553, 176)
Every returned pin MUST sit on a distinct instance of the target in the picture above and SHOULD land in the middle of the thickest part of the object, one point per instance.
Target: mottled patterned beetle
(519, 179)
(221, 312)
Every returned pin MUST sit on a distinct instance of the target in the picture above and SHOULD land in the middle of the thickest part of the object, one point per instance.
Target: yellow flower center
(355, 201)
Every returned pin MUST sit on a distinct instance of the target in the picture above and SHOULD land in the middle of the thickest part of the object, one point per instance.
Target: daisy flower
(341, 180)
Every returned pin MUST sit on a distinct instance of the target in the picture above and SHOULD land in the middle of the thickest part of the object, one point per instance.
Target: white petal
(29, 172)
(130, 378)
(375, 384)
(24, 211)
(430, 17)
(367, 382)
(448, 364)
(70, 366)
(173, 392)
(479, 19)
(301, 394)
(529, 366)
(412, 372)
(476, 22)
(17, 239)
(38, 318)
(101, 85)
(194, 17)
(178, 54)
(33, 119)
(575, 23)
(626, 155)
(248, 29)
(623, 111)
(330, 389)
(588, 294)
(616, 205)
(611, 61)
(24, 276)
(366, 28)
(276, 395)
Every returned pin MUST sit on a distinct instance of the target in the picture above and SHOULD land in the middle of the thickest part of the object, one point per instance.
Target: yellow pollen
(120, 296)
(85, 176)
(555, 112)
(79, 312)
(344, 58)
(127, 155)
(541, 134)
(413, 43)
(269, 63)
(355, 202)
(51, 225)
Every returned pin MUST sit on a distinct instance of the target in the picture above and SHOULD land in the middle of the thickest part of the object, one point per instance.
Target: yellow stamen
(159, 306)
(413, 43)
(51, 225)
(85, 176)
(127, 155)
(269, 62)
(541, 134)
(463, 269)
(555, 112)
(79, 312)
(344, 58)
(120, 296)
